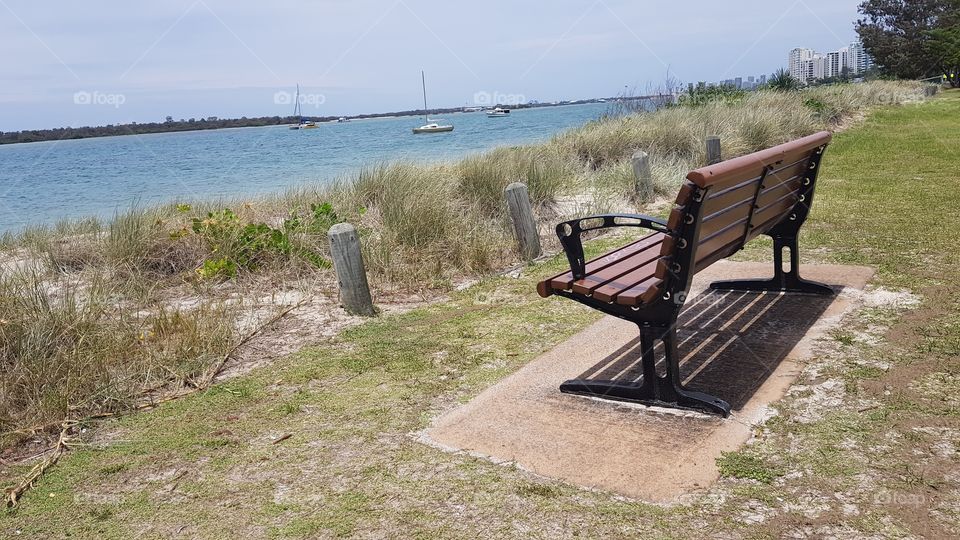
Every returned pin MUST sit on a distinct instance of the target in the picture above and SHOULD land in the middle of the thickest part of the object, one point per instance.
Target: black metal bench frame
(657, 320)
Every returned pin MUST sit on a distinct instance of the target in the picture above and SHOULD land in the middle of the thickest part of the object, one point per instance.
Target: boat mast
(423, 81)
(296, 106)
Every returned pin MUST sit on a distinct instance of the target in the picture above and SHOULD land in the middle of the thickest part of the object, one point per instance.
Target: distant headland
(194, 124)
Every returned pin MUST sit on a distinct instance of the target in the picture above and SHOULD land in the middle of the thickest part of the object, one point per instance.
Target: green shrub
(318, 221)
(235, 246)
(783, 81)
(218, 268)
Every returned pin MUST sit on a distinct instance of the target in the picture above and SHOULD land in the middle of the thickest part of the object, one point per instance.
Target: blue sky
(141, 61)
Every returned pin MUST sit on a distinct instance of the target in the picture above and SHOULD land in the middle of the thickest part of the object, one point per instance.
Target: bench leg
(653, 389)
(783, 281)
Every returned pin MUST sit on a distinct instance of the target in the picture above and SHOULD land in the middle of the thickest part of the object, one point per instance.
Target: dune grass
(80, 295)
(69, 349)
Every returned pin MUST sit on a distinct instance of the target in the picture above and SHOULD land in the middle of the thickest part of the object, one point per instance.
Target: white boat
(432, 128)
(303, 123)
(429, 126)
(342, 120)
(498, 113)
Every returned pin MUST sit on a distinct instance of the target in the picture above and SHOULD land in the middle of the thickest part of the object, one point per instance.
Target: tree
(902, 35)
(783, 81)
(945, 45)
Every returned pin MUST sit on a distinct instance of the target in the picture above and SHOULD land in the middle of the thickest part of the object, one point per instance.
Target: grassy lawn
(882, 460)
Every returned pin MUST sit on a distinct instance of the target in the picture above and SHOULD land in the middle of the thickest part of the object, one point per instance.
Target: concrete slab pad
(746, 348)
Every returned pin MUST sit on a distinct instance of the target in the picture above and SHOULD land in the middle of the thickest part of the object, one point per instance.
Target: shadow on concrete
(730, 342)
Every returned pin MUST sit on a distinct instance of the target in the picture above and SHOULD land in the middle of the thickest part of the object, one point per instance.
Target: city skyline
(805, 64)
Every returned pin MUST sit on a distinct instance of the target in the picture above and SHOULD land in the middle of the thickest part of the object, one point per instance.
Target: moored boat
(429, 126)
(432, 128)
(298, 112)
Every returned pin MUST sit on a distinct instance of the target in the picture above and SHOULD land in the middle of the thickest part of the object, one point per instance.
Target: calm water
(43, 182)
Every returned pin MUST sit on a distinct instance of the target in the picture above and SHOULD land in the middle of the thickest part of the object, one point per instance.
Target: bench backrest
(721, 207)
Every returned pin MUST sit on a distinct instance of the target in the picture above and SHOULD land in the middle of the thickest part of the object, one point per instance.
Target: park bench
(719, 208)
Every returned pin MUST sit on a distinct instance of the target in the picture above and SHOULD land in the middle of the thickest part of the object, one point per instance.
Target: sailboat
(429, 127)
(298, 112)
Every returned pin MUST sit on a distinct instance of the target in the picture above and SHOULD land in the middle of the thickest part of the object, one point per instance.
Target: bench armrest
(569, 234)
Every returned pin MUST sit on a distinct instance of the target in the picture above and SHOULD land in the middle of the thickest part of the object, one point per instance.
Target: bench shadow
(730, 342)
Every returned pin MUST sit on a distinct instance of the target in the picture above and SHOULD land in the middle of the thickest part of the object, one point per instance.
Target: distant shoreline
(204, 124)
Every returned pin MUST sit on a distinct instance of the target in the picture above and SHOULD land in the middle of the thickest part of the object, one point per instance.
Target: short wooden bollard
(642, 177)
(524, 225)
(713, 150)
(351, 275)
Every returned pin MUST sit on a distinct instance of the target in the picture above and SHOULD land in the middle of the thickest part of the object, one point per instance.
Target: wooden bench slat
(731, 197)
(565, 280)
(798, 168)
(609, 291)
(766, 218)
(746, 190)
(722, 220)
(718, 193)
(727, 173)
(727, 240)
(639, 293)
(625, 266)
(773, 196)
(779, 205)
(722, 215)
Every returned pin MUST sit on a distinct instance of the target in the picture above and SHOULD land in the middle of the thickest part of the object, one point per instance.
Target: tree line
(194, 124)
(56, 134)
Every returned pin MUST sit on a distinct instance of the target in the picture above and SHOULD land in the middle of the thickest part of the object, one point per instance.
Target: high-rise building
(815, 68)
(838, 62)
(860, 61)
(808, 65)
(796, 62)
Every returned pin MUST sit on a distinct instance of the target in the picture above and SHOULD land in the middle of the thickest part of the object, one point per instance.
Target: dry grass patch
(71, 347)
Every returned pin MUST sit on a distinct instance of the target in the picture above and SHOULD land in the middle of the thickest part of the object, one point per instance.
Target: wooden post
(713, 150)
(642, 177)
(524, 224)
(351, 276)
